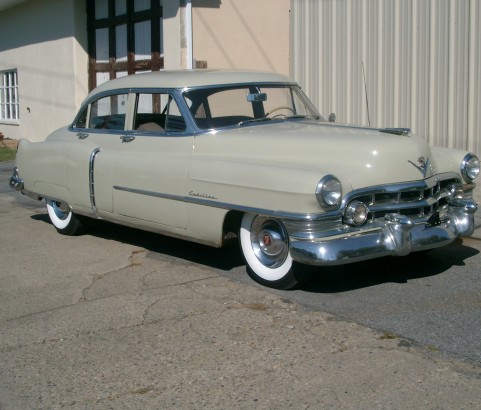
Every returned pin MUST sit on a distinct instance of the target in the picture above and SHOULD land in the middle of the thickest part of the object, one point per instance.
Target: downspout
(188, 34)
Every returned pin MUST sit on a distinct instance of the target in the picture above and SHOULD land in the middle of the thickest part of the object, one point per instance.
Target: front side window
(9, 108)
(157, 112)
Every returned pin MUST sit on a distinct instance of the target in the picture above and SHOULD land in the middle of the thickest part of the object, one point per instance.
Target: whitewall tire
(62, 217)
(265, 244)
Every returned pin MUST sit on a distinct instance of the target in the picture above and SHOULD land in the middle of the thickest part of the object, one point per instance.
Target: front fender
(264, 186)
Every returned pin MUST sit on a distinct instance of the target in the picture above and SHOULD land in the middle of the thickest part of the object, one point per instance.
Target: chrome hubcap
(61, 210)
(269, 242)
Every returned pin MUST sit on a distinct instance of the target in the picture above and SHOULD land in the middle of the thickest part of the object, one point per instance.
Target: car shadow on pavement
(336, 279)
(332, 279)
(226, 258)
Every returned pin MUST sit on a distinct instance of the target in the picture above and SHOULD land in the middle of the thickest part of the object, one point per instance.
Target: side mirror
(332, 117)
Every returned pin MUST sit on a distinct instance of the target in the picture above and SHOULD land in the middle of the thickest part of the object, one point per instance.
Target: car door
(91, 157)
(151, 162)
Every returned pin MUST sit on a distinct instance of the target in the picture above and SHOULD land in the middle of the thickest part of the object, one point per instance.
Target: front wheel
(64, 220)
(265, 244)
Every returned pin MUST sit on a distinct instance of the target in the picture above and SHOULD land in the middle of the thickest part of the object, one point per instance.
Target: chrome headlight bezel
(329, 192)
(470, 167)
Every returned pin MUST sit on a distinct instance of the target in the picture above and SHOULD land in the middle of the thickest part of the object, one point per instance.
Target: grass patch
(7, 154)
(388, 336)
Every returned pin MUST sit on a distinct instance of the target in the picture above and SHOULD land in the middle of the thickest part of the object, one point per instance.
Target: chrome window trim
(205, 131)
(191, 127)
(301, 93)
(176, 93)
(242, 84)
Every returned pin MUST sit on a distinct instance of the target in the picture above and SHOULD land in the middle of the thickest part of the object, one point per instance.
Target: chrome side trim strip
(233, 207)
(92, 182)
(296, 216)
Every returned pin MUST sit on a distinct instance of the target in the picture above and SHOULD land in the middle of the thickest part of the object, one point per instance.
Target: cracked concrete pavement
(94, 323)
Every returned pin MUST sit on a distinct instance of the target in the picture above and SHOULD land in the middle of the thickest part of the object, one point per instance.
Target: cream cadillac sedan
(213, 155)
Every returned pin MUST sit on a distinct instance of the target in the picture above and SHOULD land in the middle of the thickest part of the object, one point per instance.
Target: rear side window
(108, 112)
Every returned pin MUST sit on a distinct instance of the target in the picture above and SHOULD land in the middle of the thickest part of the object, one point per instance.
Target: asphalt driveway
(123, 319)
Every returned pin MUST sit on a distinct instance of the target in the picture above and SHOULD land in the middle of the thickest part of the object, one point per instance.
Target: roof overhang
(5, 4)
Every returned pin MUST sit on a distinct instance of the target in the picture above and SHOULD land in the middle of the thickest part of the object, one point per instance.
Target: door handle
(82, 135)
(127, 138)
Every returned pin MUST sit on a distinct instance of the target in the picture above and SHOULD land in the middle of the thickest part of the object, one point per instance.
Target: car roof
(190, 78)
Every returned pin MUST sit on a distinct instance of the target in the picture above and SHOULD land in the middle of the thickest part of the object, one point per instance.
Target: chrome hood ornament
(423, 165)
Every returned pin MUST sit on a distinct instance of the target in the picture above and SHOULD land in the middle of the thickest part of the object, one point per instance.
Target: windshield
(227, 106)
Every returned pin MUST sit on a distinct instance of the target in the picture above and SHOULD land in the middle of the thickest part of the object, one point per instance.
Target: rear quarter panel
(57, 168)
(41, 165)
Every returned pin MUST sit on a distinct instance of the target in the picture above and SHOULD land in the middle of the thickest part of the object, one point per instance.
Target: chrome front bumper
(397, 235)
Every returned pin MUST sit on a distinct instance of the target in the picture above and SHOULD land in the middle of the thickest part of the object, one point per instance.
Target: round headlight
(329, 192)
(470, 167)
(356, 213)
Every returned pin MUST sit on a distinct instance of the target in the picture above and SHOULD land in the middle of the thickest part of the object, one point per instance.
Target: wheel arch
(231, 226)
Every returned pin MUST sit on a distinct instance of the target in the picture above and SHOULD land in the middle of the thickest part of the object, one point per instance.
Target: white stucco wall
(172, 34)
(46, 42)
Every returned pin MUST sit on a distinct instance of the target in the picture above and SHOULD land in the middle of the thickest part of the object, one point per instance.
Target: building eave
(6, 4)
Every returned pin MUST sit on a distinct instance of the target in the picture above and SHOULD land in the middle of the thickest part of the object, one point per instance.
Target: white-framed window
(9, 110)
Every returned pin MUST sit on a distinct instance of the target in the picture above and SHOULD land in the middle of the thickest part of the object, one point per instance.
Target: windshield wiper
(311, 117)
(297, 116)
(254, 120)
(397, 131)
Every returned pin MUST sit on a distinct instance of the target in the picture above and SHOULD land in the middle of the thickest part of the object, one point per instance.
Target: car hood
(358, 156)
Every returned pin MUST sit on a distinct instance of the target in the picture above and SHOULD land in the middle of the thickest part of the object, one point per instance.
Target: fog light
(456, 191)
(356, 213)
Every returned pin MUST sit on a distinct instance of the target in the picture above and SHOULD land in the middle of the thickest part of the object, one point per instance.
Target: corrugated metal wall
(421, 60)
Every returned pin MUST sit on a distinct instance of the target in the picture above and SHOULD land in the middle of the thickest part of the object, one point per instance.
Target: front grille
(418, 200)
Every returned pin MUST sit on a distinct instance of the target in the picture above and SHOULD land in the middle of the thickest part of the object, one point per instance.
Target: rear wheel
(64, 220)
(265, 245)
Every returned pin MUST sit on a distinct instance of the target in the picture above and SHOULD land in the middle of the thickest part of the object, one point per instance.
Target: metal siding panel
(474, 75)
(421, 61)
